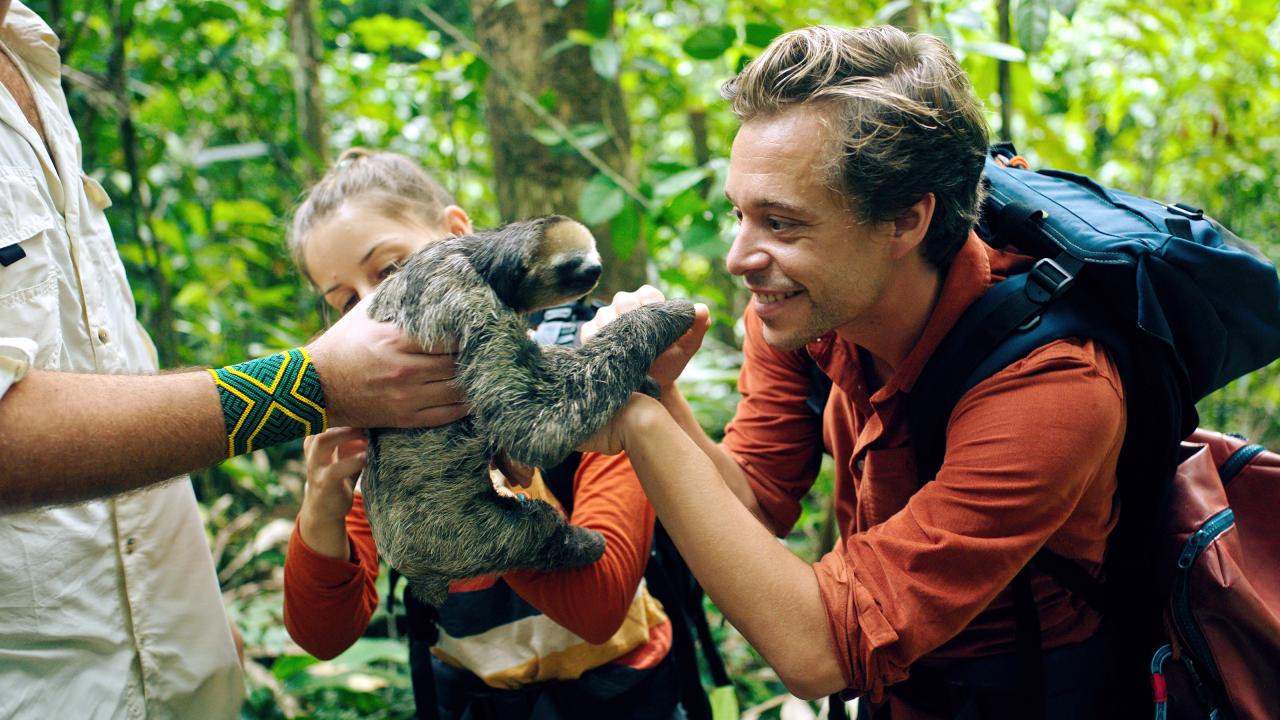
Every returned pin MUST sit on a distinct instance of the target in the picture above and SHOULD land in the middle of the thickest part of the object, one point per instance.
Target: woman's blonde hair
(389, 183)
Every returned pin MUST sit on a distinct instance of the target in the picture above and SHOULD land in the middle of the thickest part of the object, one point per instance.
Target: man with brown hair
(856, 179)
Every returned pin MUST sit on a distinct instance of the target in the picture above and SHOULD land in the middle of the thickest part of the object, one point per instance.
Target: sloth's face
(540, 263)
(564, 267)
(355, 249)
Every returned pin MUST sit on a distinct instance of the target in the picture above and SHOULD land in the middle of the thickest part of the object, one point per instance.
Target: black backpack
(667, 576)
(1182, 305)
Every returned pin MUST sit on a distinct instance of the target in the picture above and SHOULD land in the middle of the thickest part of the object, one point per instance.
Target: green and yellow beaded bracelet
(270, 400)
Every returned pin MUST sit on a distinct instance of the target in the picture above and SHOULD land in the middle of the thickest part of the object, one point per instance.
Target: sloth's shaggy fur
(433, 510)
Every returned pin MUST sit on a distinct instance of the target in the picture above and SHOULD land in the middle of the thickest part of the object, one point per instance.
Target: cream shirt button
(104, 337)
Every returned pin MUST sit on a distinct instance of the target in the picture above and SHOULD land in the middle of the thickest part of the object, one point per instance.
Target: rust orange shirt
(612, 618)
(921, 573)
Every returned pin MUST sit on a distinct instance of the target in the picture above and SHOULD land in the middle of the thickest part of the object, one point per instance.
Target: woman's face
(356, 248)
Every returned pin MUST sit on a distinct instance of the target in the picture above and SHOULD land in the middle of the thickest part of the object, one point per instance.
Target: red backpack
(1222, 558)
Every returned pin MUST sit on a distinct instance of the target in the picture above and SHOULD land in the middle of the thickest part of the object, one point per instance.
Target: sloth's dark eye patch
(578, 273)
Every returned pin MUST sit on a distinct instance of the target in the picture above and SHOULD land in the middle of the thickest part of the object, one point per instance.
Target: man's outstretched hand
(671, 362)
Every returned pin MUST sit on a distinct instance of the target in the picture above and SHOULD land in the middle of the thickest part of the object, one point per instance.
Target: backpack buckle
(1048, 280)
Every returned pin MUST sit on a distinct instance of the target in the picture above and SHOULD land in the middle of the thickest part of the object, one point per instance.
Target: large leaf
(710, 41)
(761, 34)
(679, 182)
(703, 238)
(624, 230)
(600, 201)
(599, 17)
(997, 50)
(605, 58)
(890, 11)
(1031, 19)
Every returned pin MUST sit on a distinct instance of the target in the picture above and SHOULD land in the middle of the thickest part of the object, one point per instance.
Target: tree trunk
(161, 313)
(529, 177)
(308, 51)
(1005, 81)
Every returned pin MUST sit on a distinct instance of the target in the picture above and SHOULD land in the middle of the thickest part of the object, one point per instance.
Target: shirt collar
(27, 35)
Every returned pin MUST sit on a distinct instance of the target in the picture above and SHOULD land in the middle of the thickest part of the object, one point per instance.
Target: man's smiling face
(810, 264)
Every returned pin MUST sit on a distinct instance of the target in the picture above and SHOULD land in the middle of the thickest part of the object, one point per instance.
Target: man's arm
(665, 371)
(68, 437)
(728, 468)
(770, 595)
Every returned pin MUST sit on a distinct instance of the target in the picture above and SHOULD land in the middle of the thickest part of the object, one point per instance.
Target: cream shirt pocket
(29, 286)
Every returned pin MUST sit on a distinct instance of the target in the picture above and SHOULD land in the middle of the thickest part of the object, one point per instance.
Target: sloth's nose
(581, 273)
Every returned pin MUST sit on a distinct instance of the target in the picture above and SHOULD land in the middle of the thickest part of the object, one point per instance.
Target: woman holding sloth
(570, 643)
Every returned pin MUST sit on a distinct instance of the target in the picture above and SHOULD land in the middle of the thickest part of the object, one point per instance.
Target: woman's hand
(334, 460)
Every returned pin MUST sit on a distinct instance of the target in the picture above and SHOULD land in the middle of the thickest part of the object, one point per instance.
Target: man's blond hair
(905, 121)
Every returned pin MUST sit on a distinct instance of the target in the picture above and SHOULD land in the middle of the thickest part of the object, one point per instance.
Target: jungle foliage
(206, 119)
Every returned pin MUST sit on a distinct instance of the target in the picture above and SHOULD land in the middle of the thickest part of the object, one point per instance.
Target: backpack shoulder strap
(1011, 320)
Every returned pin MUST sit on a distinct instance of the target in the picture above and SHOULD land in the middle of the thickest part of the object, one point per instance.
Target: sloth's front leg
(580, 389)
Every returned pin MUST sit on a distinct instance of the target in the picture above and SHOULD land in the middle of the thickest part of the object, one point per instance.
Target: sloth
(433, 509)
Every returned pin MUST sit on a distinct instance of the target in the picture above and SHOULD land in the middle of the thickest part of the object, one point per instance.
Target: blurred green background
(206, 119)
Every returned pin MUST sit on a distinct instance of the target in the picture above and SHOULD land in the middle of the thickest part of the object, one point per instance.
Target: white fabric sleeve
(16, 357)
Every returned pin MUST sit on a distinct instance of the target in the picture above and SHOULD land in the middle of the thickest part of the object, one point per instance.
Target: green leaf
(679, 182)
(890, 11)
(761, 34)
(967, 19)
(367, 650)
(624, 231)
(558, 48)
(549, 99)
(1031, 20)
(592, 139)
(703, 238)
(997, 50)
(605, 59)
(243, 211)
(192, 293)
(710, 41)
(724, 703)
(289, 665)
(476, 71)
(1066, 7)
(218, 10)
(600, 201)
(381, 32)
(599, 17)
(546, 136)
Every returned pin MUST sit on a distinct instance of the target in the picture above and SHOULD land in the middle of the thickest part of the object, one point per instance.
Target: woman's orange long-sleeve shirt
(328, 602)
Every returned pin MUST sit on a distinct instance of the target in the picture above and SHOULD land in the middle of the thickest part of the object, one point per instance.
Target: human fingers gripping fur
(432, 508)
